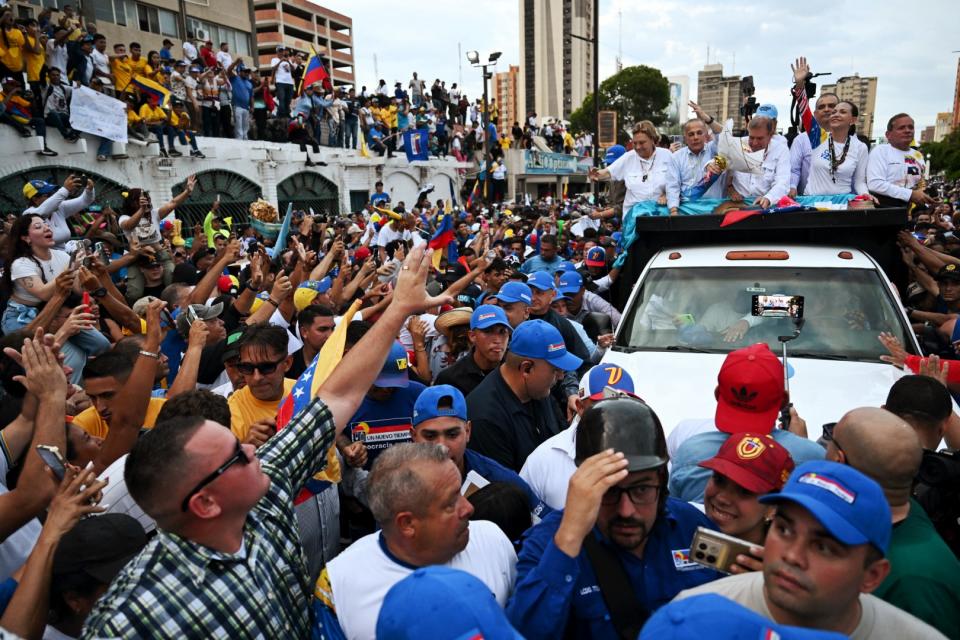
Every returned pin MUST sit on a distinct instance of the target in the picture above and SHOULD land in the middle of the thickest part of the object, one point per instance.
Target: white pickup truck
(673, 336)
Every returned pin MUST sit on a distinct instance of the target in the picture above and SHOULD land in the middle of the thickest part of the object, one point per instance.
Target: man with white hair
(772, 182)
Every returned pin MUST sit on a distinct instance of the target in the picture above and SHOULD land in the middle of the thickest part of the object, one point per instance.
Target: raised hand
(76, 497)
(592, 479)
(898, 355)
(410, 293)
(43, 374)
(800, 70)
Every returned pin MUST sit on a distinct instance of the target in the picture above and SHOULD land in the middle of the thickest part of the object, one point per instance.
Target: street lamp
(473, 58)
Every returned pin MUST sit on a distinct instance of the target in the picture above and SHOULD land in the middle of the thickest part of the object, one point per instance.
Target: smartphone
(86, 299)
(777, 305)
(716, 549)
(53, 458)
(102, 250)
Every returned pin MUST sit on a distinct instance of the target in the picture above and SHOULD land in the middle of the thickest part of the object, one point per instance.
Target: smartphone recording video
(777, 306)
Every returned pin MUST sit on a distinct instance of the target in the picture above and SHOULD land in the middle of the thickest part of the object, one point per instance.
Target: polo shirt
(555, 592)
(380, 425)
(464, 374)
(924, 577)
(548, 469)
(505, 429)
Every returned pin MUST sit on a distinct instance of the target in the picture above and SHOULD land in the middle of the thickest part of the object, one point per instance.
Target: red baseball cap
(756, 462)
(749, 390)
(361, 253)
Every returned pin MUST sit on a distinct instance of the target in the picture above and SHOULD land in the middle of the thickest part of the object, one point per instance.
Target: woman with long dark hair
(839, 164)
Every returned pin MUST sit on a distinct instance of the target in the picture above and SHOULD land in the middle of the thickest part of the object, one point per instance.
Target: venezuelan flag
(19, 110)
(315, 72)
(444, 240)
(473, 193)
(152, 89)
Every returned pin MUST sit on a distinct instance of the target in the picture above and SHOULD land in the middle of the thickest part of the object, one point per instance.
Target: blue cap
(394, 371)
(767, 111)
(427, 406)
(541, 340)
(718, 618)
(442, 603)
(596, 257)
(565, 265)
(847, 503)
(613, 154)
(570, 283)
(616, 236)
(542, 280)
(605, 375)
(320, 286)
(515, 292)
(488, 315)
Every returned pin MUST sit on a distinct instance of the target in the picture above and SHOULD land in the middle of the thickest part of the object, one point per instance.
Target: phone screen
(777, 306)
(53, 459)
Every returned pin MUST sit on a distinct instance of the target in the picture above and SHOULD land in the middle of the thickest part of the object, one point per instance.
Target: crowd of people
(354, 431)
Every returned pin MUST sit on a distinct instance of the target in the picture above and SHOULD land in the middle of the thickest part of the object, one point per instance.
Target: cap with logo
(38, 188)
(851, 506)
(439, 602)
(949, 272)
(767, 111)
(442, 400)
(231, 348)
(258, 300)
(99, 547)
(308, 290)
(515, 292)
(488, 315)
(750, 390)
(602, 376)
(596, 257)
(393, 374)
(613, 154)
(713, 616)
(228, 284)
(756, 462)
(542, 341)
(565, 265)
(542, 281)
(570, 283)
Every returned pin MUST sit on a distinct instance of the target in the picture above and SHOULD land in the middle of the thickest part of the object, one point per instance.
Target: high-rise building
(677, 110)
(299, 24)
(720, 96)
(556, 68)
(505, 93)
(943, 126)
(956, 100)
(927, 134)
(861, 92)
(150, 22)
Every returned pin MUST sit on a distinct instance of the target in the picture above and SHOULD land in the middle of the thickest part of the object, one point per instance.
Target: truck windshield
(709, 309)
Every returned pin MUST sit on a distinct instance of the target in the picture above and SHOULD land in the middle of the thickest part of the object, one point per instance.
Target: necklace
(834, 162)
(646, 174)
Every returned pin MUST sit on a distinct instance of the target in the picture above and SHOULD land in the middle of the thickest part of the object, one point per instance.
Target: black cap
(99, 546)
(231, 348)
(624, 424)
(949, 272)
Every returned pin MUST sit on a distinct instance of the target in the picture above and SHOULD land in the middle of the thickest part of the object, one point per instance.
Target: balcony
(266, 16)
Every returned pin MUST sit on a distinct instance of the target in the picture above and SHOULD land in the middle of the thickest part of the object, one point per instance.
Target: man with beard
(617, 522)
(823, 555)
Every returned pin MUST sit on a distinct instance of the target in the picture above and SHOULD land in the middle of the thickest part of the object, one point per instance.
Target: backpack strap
(627, 614)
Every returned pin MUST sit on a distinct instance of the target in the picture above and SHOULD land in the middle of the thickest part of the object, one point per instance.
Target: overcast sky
(907, 47)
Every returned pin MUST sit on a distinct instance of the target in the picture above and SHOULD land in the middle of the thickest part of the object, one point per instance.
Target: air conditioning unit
(202, 35)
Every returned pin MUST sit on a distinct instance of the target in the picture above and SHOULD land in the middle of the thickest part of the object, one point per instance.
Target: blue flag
(281, 243)
(416, 144)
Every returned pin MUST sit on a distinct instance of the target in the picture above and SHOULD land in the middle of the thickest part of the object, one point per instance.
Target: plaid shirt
(177, 588)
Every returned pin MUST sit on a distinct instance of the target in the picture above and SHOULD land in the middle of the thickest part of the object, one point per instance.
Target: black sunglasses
(265, 368)
(239, 455)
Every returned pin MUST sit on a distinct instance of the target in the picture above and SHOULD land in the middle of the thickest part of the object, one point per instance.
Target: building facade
(943, 126)
(861, 92)
(720, 96)
(150, 22)
(677, 111)
(926, 135)
(300, 25)
(505, 93)
(556, 68)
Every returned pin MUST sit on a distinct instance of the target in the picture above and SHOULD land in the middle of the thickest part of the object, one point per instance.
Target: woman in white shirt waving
(644, 172)
(839, 164)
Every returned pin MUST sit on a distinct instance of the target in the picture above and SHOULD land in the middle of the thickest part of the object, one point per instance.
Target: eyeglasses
(265, 368)
(239, 455)
(640, 494)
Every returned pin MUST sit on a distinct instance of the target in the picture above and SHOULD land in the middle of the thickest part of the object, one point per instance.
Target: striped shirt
(177, 588)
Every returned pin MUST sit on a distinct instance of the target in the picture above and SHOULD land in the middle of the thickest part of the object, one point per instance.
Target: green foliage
(945, 155)
(635, 93)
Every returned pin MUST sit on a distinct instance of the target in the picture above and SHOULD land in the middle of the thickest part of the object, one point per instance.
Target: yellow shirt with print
(245, 409)
(122, 74)
(11, 52)
(90, 421)
(34, 61)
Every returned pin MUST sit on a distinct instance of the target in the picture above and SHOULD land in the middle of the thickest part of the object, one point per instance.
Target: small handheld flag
(315, 72)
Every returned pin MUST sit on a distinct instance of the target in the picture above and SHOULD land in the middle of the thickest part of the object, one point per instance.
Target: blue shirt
(242, 91)
(496, 472)
(380, 425)
(165, 54)
(377, 198)
(537, 263)
(554, 589)
(688, 480)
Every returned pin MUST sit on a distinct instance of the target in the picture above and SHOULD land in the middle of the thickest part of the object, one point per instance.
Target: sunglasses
(239, 456)
(265, 368)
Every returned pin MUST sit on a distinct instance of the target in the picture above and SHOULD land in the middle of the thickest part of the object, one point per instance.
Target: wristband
(709, 122)
(150, 354)
(249, 285)
(273, 302)
(99, 293)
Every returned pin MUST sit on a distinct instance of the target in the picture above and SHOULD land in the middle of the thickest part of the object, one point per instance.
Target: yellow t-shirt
(245, 409)
(122, 74)
(34, 61)
(11, 54)
(151, 114)
(133, 117)
(181, 121)
(91, 422)
(139, 67)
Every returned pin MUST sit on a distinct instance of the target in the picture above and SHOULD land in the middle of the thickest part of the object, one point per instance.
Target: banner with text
(550, 163)
(98, 114)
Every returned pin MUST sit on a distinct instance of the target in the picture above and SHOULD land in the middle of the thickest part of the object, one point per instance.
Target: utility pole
(619, 41)
(595, 41)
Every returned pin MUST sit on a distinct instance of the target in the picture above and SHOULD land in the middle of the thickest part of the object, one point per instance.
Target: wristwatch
(99, 293)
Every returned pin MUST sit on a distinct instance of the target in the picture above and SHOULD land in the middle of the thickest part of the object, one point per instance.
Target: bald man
(924, 575)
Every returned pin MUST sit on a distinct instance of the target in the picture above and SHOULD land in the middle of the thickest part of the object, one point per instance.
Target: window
(148, 18)
(130, 13)
(168, 24)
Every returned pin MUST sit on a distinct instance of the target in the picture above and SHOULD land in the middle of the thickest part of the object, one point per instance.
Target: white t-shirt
(224, 59)
(361, 576)
(147, 230)
(57, 56)
(878, 620)
(644, 179)
(189, 50)
(851, 176)
(548, 469)
(25, 267)
(191, 83)
(284, 71)
(894, 173)
(685, 430)
(102, 64)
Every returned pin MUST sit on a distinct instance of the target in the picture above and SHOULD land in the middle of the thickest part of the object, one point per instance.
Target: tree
(635, 93)
(945, 155)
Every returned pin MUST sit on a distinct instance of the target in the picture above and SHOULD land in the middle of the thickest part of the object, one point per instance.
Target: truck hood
(680, 386)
